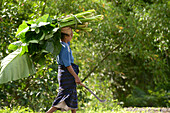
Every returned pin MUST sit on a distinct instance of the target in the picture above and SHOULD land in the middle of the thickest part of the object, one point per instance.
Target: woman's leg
(51, 110)
(73, 111)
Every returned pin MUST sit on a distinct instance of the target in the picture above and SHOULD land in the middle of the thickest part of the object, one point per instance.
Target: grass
(110, 106)
(27, 110)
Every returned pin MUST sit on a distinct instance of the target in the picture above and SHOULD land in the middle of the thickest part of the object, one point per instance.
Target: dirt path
(148, 110)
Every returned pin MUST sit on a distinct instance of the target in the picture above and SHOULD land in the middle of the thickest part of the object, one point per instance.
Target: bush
(156, 98)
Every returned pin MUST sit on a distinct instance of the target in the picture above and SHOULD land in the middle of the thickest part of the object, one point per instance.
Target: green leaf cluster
(38, 38)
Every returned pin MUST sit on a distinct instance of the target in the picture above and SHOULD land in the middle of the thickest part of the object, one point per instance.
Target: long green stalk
(79, 26)
(86, 12)
(81, 15)
(67, 24)
(67, 19)
(86, 29)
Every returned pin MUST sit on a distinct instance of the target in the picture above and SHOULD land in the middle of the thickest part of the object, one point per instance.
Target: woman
(67, 76)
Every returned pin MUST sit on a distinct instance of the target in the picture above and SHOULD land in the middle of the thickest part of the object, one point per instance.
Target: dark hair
(63, 34)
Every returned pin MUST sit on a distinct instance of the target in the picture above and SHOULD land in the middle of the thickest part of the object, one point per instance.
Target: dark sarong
(67, 87)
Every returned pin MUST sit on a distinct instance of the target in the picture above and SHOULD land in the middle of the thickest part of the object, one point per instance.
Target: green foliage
(155, 98)
(142, 61)
(16, 110)
(138, 62)
(40, 37)
(33, 91)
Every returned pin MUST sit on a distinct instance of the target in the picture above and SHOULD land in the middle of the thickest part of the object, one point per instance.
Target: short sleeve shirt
(65, 57)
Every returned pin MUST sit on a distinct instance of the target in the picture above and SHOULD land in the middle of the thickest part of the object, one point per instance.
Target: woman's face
(69, 37)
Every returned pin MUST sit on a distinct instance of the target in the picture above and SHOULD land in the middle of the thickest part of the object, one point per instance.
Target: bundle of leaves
(39, 38)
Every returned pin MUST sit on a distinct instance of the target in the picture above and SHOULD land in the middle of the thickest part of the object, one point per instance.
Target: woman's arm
(77, 79)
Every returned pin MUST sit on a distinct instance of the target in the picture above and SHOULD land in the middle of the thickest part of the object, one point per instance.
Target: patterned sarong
(67, 95)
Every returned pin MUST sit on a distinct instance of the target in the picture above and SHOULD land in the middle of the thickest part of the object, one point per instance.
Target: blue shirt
(65, 57)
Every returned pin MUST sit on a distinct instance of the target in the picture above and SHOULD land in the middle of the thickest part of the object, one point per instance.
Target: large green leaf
(14, 66)
(44, 18)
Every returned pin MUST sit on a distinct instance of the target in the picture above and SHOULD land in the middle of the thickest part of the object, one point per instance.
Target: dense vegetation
(124, 59)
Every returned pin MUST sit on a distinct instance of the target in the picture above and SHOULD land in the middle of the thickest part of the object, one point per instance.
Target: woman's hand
(82, 84)
(77, 80)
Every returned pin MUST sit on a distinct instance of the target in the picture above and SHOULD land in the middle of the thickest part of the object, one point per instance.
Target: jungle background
(125, 59)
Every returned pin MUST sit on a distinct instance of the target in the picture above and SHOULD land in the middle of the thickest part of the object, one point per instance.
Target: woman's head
(66, 34)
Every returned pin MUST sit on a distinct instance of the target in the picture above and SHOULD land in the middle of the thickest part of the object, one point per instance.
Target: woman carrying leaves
(67, 76)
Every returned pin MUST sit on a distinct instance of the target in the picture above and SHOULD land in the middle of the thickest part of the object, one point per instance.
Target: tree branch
(109, 53)
(43, 10)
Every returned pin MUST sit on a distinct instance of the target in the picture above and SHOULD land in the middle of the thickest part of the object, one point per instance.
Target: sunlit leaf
(22, 28)
(44, 18)
(33, 41)
(14, 45)
(43, 24)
